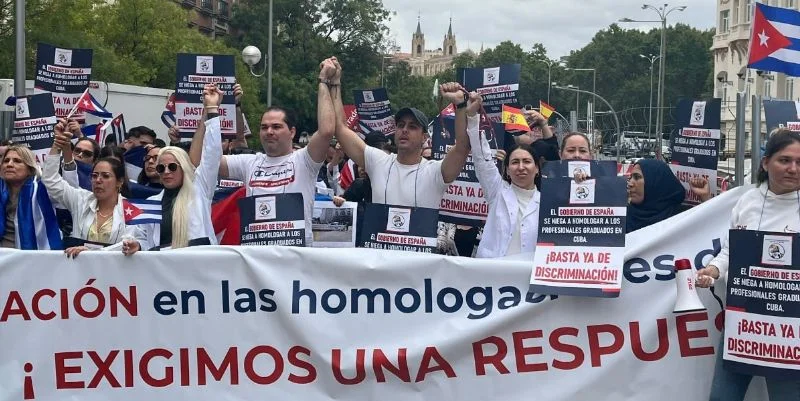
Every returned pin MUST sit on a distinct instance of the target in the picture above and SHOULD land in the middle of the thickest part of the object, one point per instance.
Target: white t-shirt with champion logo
(264, 175)
(420, 185)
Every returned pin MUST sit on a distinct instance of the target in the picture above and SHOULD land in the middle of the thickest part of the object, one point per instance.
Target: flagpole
(75, 107)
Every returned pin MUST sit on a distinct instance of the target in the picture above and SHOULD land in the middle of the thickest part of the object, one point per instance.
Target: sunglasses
(162, 168)
(88, 154)
(149, 158)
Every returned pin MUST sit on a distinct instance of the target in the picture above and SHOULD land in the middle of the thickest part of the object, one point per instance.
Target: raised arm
(208, 169)
(59, 190)
(536, 119)
(351, 143)
(196, 147)
(241, 123)
(482, 158)
(326, 119)
(457, 156)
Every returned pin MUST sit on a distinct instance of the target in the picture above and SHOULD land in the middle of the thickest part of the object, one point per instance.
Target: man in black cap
(405, 178)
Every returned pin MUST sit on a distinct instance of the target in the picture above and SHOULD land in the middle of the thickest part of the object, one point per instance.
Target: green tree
(307, 32)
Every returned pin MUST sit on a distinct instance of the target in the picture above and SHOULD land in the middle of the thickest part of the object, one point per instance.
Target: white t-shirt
(293, 173)
(418, 185)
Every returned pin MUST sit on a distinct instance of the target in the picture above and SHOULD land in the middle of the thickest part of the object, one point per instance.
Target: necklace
(105, 216)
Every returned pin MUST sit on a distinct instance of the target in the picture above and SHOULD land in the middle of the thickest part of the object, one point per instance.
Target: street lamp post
(652, 60)
(662, 12)
(19, 50)
(550, 64)
(589, 119)
(616, 119)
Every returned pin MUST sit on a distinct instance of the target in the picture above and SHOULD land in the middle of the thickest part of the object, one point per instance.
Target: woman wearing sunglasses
(186, 198)
(97, 215)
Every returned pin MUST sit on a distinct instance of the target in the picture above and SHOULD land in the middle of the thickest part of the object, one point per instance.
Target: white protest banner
(284, 323)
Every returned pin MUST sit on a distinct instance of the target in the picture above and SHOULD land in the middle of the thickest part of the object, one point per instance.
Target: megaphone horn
(688, 300)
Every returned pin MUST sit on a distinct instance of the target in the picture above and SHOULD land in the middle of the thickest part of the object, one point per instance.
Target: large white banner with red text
(352, 324)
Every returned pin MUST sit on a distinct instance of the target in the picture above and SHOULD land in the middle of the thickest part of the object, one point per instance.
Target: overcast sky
(560, 25)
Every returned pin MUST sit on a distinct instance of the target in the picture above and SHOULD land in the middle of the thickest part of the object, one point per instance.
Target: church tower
(449, 45)
(418, 42)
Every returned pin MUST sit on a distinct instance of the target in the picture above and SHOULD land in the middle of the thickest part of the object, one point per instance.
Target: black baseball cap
(418, 115)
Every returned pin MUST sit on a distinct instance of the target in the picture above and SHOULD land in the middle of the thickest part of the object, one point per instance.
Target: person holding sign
(575, 146)
(186, 198)
(774, 207)
(97, 215)
(513, 219)
(281, 170)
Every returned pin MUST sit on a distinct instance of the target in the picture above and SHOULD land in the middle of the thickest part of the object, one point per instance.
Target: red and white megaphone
(688, 300)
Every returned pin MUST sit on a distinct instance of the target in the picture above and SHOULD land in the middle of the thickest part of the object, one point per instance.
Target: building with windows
(730, 52)
(211, 16)
(426, 62)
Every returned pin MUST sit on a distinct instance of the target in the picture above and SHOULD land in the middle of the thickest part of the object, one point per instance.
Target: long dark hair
(776, 143)
(118, 168)
(536, 180)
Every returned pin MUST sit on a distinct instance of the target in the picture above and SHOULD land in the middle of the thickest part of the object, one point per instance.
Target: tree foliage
(135, 42)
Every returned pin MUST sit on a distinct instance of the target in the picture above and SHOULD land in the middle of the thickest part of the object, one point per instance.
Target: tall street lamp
(662, 12)
(651, 58)
(616, 119)
(252, 55)
(589, 119)
(550, 64)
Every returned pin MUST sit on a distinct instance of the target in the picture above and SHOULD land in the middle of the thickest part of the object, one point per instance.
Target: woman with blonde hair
(28, 217)
(186, 198)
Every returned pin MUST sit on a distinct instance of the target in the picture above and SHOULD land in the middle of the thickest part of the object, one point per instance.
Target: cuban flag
(89, 104)
(168, 115)
(225, 218)
(37, 224)
(134, 161)
(118, 130)
(93, 131)
(775, 40)
(141, 211)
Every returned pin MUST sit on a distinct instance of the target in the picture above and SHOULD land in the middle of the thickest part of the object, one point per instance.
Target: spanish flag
(545, 109)
(514, 120)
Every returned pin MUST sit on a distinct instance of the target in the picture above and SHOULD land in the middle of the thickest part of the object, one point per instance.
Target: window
(767, 87)
(748, 10)
(223, 7)
(789, 89)
(206, 4)
(724, 93)
(724, 21)
(789, 3)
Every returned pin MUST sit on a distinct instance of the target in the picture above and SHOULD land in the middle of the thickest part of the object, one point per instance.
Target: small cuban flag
(141, 211)
(89, 104)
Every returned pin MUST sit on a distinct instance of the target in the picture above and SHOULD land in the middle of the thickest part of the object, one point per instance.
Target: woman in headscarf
(654, 194)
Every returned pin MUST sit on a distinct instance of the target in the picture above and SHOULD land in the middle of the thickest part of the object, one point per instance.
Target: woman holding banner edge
(512, 223)
(771, 207)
